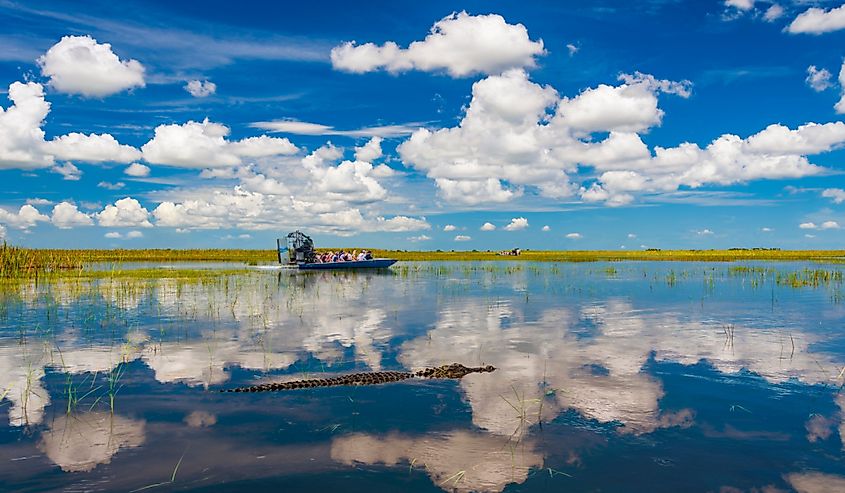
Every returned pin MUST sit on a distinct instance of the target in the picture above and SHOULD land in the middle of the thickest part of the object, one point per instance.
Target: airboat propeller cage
(299, 248)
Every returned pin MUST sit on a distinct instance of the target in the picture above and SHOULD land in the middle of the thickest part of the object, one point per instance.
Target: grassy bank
(23, 262)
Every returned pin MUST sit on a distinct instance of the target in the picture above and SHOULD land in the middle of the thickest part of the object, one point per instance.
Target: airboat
(298, 249)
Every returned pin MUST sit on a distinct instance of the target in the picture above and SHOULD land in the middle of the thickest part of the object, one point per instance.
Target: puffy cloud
(111, 186)
(349, 181)
(137, 170)
(773, 13)
(400, 223)
(370, 151)
(201, 88)
(835, 194)
(830, 225)
(204, 145)
(113, 235)
(840, 105)
(818, 21)
(704, 232)
(516, 224)
(818, 79)
(92, 148)
(22, 143)
(740, 4)
(630, 107)
(811, 138)
(574, 236)
(488, 227)
(39, 201)
(80, 65)
(21, 136)
(517, 134)
(546, 228)
(508, 139)
(68, 171)
(126, 212)
(134, 234)
(459, 44)
(449, 227)
(26, 217)
(462, 238)
(67, 216)
(808, 225)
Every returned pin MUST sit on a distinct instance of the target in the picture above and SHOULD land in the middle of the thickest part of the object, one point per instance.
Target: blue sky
(663, 124)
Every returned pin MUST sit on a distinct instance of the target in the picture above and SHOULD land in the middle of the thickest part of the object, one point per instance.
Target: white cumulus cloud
(835, 194)
(546, 228)
(808, 225)
(370, 151)
(137, 170)
(67, 215)
(740, 4)
(126, 212)
(516, 224)
(818, 79)
(830, 225)
(201, 88)
(818, 21)
(80, 65)
(462, 238)
(449, 227)
(459, 44)
(488, 227)
(91, 148)
(68, 171)
(26, 217)
(574, 236)
(204, 145)
(773, 13)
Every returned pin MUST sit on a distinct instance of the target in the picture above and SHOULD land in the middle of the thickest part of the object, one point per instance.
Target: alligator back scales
(453, 371)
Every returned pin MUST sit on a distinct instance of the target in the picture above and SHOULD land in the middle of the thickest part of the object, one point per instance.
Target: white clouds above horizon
(204, 145)
(508, 140)
(818, 79)
(201, 88)
(137, 170)
(818, 21)
(80, 65)
(22, 139)
(488, 227)
(459, 44)
(67, 216)
(126, 212)
(517, 224)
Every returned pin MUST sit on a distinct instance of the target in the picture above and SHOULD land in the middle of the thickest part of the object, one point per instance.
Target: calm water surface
(611, 377)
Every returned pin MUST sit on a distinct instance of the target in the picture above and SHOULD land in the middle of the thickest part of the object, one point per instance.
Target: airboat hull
(378, 263)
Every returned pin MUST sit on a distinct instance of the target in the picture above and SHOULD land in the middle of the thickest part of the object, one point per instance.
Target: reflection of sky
(561, 343)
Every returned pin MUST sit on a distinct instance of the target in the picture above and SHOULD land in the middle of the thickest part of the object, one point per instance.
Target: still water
(631, 376)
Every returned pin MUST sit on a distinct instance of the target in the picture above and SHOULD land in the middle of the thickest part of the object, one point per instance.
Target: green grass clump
(16, 262)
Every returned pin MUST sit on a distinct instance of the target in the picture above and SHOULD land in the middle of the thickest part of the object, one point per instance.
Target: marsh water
(629, 376)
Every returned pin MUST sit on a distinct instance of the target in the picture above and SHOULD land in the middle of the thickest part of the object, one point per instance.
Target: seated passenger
(361, 256)
(368, 255)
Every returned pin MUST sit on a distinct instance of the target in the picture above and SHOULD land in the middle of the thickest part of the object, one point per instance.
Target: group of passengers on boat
(342, 256)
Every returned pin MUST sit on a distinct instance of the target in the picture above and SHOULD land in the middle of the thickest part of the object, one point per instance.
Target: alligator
(453, 371)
